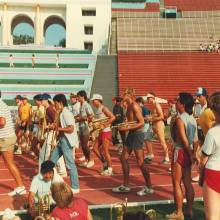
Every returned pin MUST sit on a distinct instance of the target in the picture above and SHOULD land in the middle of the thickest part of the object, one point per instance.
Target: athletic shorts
(181, 156)
(8, 143)
(212, 179)
(135, 140)
(83, 131)
(104, 135)
(24, 128)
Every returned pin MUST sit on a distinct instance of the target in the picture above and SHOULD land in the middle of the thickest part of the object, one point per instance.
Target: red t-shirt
(78, 211)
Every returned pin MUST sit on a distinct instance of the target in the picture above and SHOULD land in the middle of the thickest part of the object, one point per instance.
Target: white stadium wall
(68, 11)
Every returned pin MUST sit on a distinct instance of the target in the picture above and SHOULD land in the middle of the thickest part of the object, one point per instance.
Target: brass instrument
(96, 126)
(43, 207)
(44, 125)
(55, 131)
(121, 209)
(126, 124)
(152, 214)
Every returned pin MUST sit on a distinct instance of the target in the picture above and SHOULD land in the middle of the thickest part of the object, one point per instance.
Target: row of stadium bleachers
(122, 13)
(168, 73)
(75, 73)
(165, 34)
(194, 5)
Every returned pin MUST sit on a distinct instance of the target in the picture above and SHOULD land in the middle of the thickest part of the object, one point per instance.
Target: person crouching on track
(85, 115)
(68, 207)
(134, 142)
(184, 135)
(102, 143)
(40, 186)
(67, 139)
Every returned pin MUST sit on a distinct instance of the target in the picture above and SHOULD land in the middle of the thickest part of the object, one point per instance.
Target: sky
(54, 32)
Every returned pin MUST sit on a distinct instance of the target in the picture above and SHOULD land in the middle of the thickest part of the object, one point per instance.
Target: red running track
(94, 188)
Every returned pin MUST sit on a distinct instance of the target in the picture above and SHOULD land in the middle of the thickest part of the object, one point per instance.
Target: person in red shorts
(210, 164)
(102, 143)
(68, 207)
(184, 135)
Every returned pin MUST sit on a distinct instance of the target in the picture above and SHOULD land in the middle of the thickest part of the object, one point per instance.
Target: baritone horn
(96, 126)
(121, 209)
(43, 207)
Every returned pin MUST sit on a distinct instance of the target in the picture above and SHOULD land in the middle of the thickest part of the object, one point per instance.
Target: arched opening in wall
(22, 30)
(55, 31)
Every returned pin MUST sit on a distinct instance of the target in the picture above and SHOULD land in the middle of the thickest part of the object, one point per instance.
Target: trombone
(126, 124)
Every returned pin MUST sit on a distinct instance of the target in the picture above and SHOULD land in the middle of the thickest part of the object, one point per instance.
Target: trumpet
(43, 207)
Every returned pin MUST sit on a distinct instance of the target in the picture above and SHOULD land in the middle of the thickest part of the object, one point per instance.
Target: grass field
(161, 211)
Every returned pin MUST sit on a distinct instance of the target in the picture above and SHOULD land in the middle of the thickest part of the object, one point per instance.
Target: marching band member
(24, 112)
(85, 115)
(38, 116)
(101, 145)
(158, 126)
(40, 185)
(7, 142)
(45, 151)
(134, 142)
(67, 139)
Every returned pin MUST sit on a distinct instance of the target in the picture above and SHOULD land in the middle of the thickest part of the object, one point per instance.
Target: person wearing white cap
(105, 135)
(158, 125)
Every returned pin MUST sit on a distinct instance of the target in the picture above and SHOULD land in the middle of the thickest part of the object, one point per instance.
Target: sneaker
(63, 174)
(18, 191)
(18, 151)
(148, 160)
(104, 166)
(149, 156)
(82, 158)
(146, 190)
(165, 161)
(90, 164)
(83, 164)
(175, 216)
(195, 179)
(107, 172)
(75, 191)
(121, 189)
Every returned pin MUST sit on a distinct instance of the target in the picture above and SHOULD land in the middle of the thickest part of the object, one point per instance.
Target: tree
(62, 42)
(23, 39)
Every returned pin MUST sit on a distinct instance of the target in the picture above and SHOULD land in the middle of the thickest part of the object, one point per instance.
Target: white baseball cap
(96, 96)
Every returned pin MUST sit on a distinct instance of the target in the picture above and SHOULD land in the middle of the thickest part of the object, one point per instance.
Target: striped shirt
(8, 130)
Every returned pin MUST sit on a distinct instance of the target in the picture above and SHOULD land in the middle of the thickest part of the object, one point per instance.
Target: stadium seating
(168, 73)
(75, 73)
(135, 34)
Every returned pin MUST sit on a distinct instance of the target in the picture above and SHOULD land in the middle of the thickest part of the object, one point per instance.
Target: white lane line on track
(97, 175)
(110, 188)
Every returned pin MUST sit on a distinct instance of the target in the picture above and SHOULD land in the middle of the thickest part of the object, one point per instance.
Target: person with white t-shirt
(40, 185)
(67, 139)
(210, 163)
